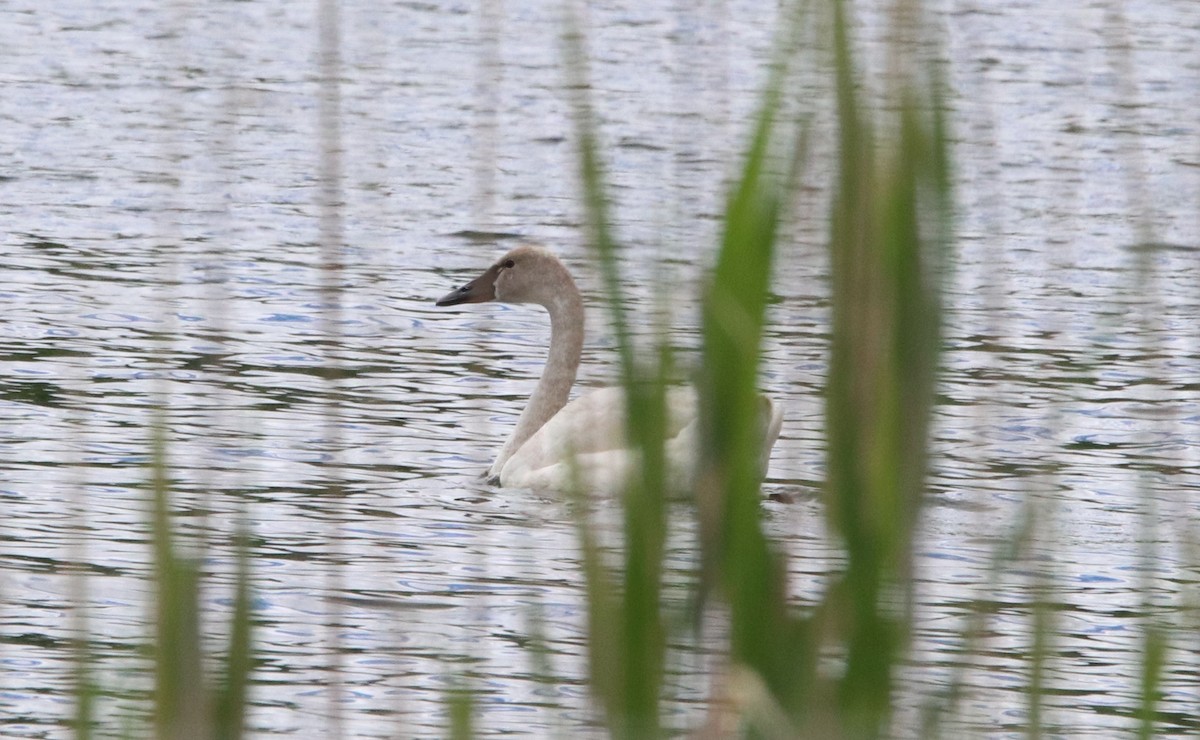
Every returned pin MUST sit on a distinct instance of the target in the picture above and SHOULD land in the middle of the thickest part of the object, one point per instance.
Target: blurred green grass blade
(604, 664)
(645, 527)
(184, 705)
(1154, 660)
(591, 170)
(232, 692)
(886, 334)
(1039, 653)
(461, 705)
(84, 687)
(180, 698)
(767, 638)
(627, 635)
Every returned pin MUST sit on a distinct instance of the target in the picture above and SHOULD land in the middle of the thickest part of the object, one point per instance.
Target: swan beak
(482, 288)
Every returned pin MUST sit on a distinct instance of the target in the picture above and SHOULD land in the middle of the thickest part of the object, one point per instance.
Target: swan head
(526, 274)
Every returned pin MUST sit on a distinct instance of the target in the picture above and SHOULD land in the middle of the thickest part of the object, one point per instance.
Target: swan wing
(585, 442)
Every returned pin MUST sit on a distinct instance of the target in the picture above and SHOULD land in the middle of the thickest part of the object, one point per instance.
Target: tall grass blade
(461, 704)
(1039, 653)
(83, 689)
(181, 710)
(771, 647)
(627, 635)
(886, 333)
(185, 707)
(233, 689)
(84, 685)
(1154, 652)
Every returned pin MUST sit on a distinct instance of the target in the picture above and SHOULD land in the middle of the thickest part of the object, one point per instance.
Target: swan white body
(585, 442)
(556, 444)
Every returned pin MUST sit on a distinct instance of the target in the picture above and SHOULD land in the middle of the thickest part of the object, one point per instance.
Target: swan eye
(509, 263)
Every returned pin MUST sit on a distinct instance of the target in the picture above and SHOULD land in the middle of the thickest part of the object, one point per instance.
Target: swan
(555, 444)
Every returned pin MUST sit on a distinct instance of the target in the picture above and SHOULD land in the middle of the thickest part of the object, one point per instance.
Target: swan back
(587, 443)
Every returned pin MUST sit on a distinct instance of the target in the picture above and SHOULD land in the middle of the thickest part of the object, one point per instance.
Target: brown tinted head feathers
(525, 275)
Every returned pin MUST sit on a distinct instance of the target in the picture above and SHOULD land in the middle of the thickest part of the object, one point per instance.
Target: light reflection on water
(160, 214)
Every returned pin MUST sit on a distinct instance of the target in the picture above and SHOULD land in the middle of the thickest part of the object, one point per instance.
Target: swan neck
(562, 364)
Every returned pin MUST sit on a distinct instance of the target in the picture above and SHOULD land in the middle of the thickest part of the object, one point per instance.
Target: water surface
(161, 221)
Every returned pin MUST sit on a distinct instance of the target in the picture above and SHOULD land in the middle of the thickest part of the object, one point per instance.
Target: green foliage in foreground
(890, 214)
(186, 703)
(887, 245)
(626, 630)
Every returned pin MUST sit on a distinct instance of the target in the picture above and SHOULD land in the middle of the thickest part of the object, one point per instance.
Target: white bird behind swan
(555, 443)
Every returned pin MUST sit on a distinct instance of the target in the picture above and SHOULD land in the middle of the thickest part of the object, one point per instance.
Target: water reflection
(161, 219)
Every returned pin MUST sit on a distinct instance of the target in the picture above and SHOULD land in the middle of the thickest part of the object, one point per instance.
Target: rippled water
(159, 249)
